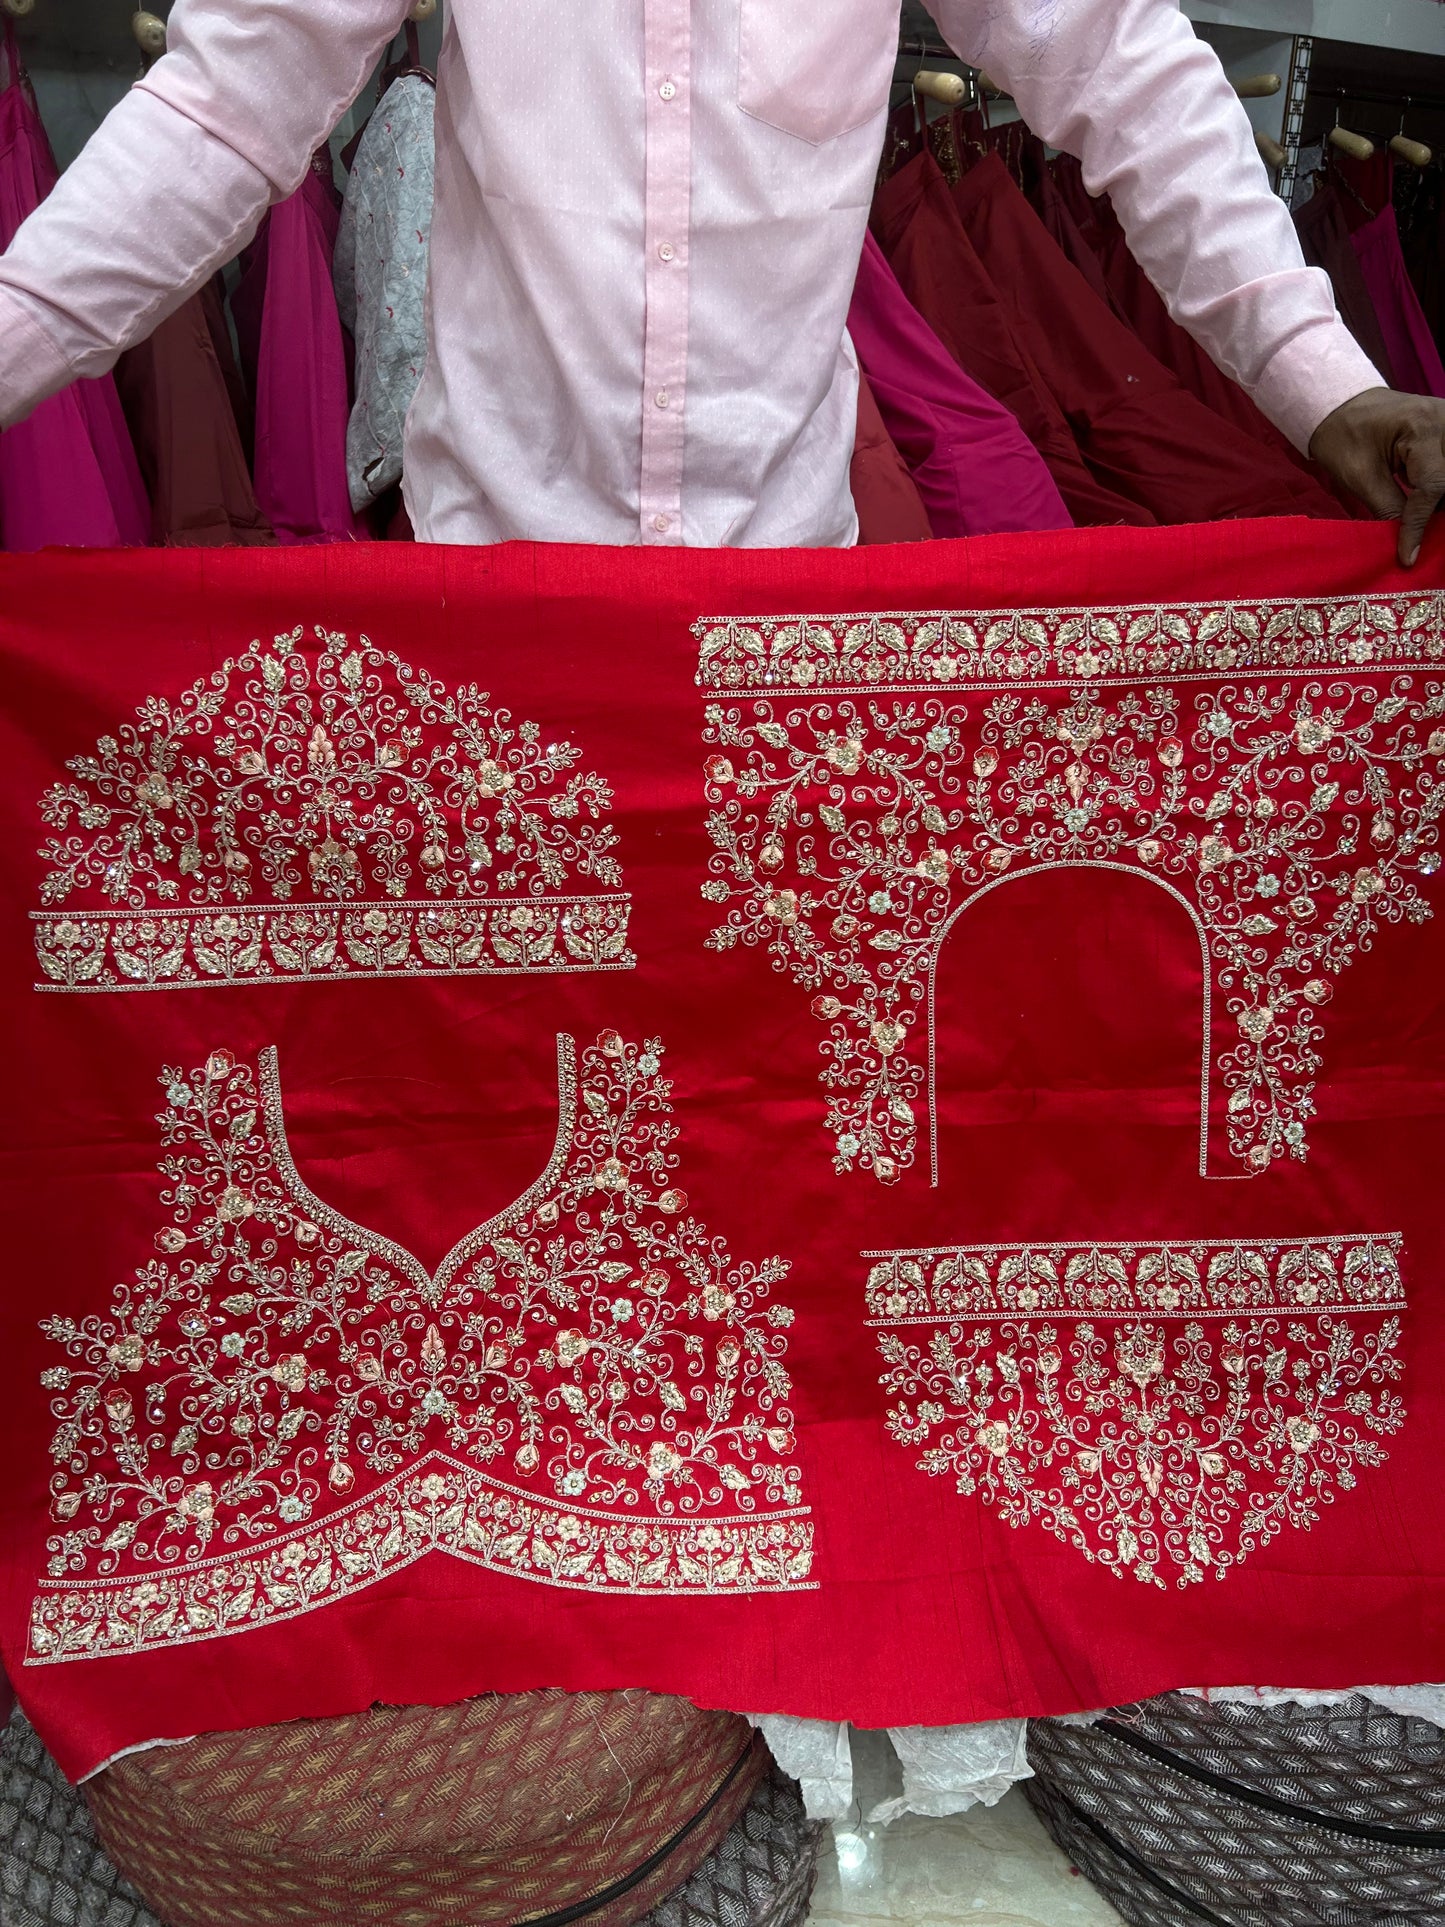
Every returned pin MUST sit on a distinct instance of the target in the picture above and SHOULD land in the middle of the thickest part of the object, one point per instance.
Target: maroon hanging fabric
(1324, 231)
(68, 473)
(919, 230)
(1409, 343)
(890, 509)
(179, 405)
(1139, 430)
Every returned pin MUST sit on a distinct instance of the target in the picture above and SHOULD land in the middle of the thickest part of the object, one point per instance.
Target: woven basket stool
(535, 1807)
(1182, 1810)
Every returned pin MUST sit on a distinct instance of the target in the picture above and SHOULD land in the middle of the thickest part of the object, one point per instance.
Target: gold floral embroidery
(586, 1391)
(1290, 817)
(389, 827)
(1167, 1409)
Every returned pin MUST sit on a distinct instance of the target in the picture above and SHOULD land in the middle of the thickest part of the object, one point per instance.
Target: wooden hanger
(1272, 154)
(18, 9)
(1414, 153)
(150, 32)
(423, 10)
(949, 90)
(1258, 86)
(1355, 145)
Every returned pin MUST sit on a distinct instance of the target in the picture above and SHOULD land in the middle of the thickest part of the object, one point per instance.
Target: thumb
(1420, 505)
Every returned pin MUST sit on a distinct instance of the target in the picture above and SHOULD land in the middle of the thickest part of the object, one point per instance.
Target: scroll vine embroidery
(327, 814)
(1165, 1409)
(587, 1391)
(1291, 816)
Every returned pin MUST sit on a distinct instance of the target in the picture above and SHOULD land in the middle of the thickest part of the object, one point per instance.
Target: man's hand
(1388, 449)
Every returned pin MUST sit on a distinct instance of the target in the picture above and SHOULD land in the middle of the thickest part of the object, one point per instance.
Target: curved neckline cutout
(432, 1283)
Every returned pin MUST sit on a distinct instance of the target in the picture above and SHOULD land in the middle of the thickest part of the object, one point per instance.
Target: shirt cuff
(1313, 374)
(32, 368)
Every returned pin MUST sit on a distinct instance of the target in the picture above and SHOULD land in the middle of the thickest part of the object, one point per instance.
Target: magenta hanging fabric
(294, 354)
(974, 467)
(68, 474)
(1414, 356)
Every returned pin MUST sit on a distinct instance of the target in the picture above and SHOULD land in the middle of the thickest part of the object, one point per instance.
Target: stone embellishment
(322, 813)
(283, 1407)
(1291, 815)
(1166, 1409)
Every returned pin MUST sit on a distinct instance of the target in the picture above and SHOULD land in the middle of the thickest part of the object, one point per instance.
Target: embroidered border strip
(280, 943)
(439, 1506)
(932, 647)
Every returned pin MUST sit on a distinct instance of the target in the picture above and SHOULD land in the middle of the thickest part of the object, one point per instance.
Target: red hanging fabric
(1139, 430)
(919, 230)
(68, 474)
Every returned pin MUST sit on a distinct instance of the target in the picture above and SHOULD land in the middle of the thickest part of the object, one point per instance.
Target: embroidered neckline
(588, 1391)
(432, 1283)
(857, 809)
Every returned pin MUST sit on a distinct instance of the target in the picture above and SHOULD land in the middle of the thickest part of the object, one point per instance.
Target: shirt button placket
(668, 195)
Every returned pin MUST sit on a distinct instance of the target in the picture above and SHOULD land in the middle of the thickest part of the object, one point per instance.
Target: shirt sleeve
(1128, 87)
(176, 179)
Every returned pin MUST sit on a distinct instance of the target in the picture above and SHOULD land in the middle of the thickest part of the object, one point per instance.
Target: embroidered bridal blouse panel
(284, 1407)
(1275, 767)
(341, 814)
(1139, 830)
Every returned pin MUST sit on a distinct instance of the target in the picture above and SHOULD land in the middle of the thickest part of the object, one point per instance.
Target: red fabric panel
(976, 471)
(918, 228)
(885, 495)
(1139, 430)
(1220, 679)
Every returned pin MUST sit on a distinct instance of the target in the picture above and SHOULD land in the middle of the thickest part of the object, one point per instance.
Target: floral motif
(1166, 1409)
(586, 1389)
(1290, 817)
(331, 813)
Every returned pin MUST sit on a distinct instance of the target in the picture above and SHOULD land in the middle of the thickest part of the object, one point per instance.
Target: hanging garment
(1411, 347)
(381, 278)
(178, 391)
(919, 231)
(68, 475)
(1138, 429)
(975, 469)
(890, 509)
(1077, 219)
(1091, 875)
(295, 360)
(1324, 232)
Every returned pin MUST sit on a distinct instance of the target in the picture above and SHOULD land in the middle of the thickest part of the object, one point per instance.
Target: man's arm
(1128, 87)
(177, 178)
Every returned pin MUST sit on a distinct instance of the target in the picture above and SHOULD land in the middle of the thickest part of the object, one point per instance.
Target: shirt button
(668, 89)
(661, 523)
(666, 252)
(664, 400)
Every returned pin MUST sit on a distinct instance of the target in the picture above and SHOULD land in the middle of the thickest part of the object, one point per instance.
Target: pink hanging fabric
(68, 474)
(1414, 356)
(294, 354)
(975, 469)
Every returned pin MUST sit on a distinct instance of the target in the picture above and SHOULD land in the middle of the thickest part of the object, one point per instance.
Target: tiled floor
(994, 1867)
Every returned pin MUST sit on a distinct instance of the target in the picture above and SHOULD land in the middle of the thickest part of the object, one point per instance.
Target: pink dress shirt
(639, 301)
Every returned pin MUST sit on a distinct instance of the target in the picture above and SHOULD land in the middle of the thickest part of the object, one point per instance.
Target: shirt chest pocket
(816, 68)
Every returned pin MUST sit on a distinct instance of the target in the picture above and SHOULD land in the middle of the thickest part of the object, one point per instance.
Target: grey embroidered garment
(381, 278)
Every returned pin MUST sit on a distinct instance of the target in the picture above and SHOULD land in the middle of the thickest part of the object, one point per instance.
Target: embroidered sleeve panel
(1165, 1409)
(283, 1406)
(1291, 815)
(326, 813)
